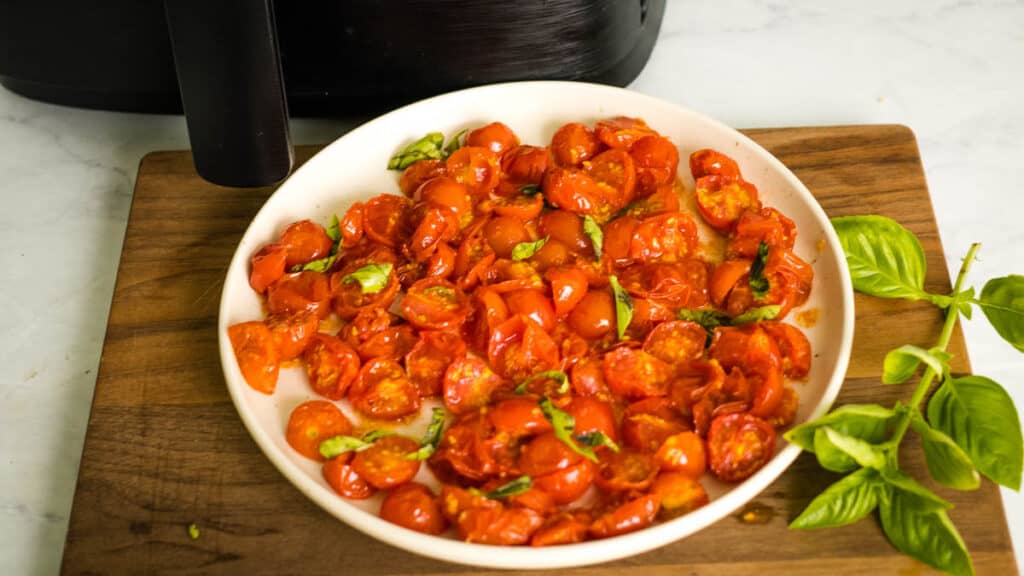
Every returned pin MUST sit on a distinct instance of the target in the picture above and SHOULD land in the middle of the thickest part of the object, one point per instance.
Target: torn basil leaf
(564, 425)
(596, 439)
(525, 250)
(426, 148)
(517, 486)
(372, 278)
(431, 438)
(593, 231)
(623, 306)
(758, 283)
(557, 375)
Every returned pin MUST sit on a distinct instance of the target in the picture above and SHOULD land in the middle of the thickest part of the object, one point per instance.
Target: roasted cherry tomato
(564, 528)
(614, 170)
(332, 366)
(722, 200)
(676, 342)
(546, 454)
(786, 412)
(568, 287)
(387, 220)
(708, 162)
(438, 226)
(739, 445)
(256, 353)
(435, 304)
(665, 238)
(592, 415)
(626, 470)
(525, 165)
(568, 484)
(383, 390)
(634, 515)
(430, 357)
(683, 452)
(313, 422)
(419, 172)
(573, 143)
(593, 317)
(679, 493)
(520, 348)
(634, 374)
(445, 192)
(578, 192)
(648, 423)
(767, 225)
(468, 384)
(622, 132)
(384, 465)
(340, 476)
(441, 263)
(293, 333)
(268, 264)
(656, 160)
(518, 417)
(413, 506)
(299, 291)
(587, 378)
(504, 233)
(567, 228)
(468, 449)
(498, 525)
(519, 206)
(348, 297)
(724, 279)
(475, 167)
(496, 137)
(305, 241)
(793, 346)
(534, 305)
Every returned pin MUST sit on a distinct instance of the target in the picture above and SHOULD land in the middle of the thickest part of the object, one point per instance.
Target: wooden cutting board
(165, 447)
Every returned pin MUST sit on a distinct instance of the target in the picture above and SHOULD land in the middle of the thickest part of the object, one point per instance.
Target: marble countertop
(949, 69)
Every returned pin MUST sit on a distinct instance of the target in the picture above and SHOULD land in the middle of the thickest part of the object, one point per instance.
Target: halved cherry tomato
(786, 412)
(441, 263)
(665, 238)
(435, 304)
(392, 342)
(419, 172)
(387, 219)
(468, 384)
(615, 170)
(739, 445)
(519, 206)
(568, 287)
(518, 417)
(657, 160)
(430, 357)
(618, 239)
(725, 277)
(683, 452)
(383, 390)
(384, 464)
(676, 342)
(293, 332)
(305, 241)
(768, 226)
(268, 264)
(722, 200)
(567, 228)
(498, 525)
(567, 484)
(468, 449)
(445, 192)
(351, 225)
(553, 253)
(626, 470)
(564, 528)
(534, 305)
(573, 143)
(622, 132)
(519, 348)
(525, 164)
(504, 233)
(646, 424)
(636, 374)
(664, 199)
(313, 422)
(535, 499)
(342, 477)
(413, 506)
(455, 500)
(475, 167)
(593, 317)
(348, 297)
(546, 454)
(332, 366)
(679, 493)
(576, 191)
(438, 226)
(256, 354)
(299, 291)
(496, 137)
(592, 415)
(587, 378)
(793, 346)
(634, 515)
(367, 323)
(708, 162)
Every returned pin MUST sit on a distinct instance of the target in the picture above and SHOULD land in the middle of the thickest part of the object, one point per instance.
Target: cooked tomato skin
(268, 264)
(384, 465)
(708, 162)
(565, 528)
(593, 317)
(383, 390)
(683, 452)
(676, 342)
(739, 445)
(656, 160)
(428, 360)
(256, 354)
(635, 374)
(648, 423)
(351, 225)
(347, 298)
(498, 525)
(679, 493)
(519, 348)
(331, 365)
(622, 131)
(573, 143)
(313, 422)
(468, 384)
(722, 200)
(293, 333)
(387, 219)
(305, 241)
(413, 506)
(496, 137)
(476, 167)
(342, 477)
(435, 304)
(519, 417)
(568, 288)
(567, 484)
(419, 172)
(534, 305)
(446, 193)
(299, 291)
(626, 470)
(630, 517)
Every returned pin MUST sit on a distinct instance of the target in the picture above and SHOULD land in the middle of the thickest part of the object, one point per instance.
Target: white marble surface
(951, 70)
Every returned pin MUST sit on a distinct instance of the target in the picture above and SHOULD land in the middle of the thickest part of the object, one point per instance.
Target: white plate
(353, 168)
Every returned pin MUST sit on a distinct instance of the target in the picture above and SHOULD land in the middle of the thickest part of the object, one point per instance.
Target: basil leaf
(709, 319)
(1002, 301)
(517, 486)
(597, 438)
(830, 445)
(374, 435)
(428, 147)
(948, 464)
(757, 315)
(593, 231)
(334, 229)
(530, 190)
(557, 375)
(320, 265)
(340, 444)
(901, 363)
(372, 278)
(865, 421)
(431, 438)
(623, 306)
(758, 283)
(842, 503)
(525, 250)
(884, 258)
(455, 143)
(563, 426)
(915, 494)
(928, 536)
(980, 418)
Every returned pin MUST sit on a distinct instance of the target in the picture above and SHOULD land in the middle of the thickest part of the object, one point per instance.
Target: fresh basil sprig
(967, 429)
(430, 147)
(431, 438)
(563, 425)
(372, 278)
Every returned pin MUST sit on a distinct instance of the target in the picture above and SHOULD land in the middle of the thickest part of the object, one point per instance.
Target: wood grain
(165, 447)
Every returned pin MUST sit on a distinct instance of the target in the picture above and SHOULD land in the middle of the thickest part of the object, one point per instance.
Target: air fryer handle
(232, 89)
